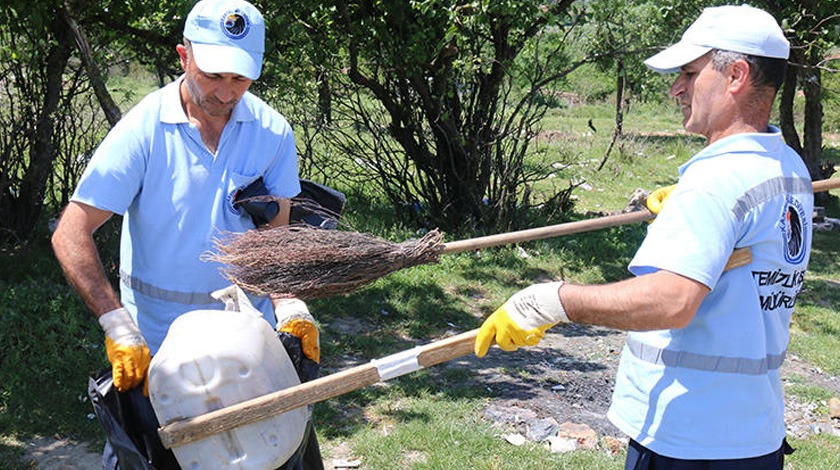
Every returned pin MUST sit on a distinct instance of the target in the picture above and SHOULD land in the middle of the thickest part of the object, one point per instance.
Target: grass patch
(817, 451)
(815, 327)
(423, 423)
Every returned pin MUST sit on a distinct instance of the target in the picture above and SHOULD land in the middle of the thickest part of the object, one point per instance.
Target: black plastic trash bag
(131, 426)
(316, 204)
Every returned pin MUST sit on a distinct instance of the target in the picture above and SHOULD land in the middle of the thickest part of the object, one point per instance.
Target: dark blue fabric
(641, 458)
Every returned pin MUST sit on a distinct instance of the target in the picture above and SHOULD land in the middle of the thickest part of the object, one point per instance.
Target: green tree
(435, 101)
(813, 29)
(55, 103)
(36, 48)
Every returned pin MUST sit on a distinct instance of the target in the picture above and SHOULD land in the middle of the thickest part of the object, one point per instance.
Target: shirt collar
(758, 142)
(171, 111)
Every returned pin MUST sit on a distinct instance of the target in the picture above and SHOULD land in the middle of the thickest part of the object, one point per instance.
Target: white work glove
(523, 319)
(293, 317)
(126, 349)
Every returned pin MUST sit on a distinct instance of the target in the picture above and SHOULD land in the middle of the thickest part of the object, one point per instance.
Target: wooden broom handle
(188, 430)
(577, 227)
(539, 233)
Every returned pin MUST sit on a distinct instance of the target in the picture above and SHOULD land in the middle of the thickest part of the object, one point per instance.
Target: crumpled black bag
(130, 425)
(316, 204)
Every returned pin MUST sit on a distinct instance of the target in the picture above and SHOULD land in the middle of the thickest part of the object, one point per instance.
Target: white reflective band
(769, 189)
(687, 360)
(155, 292)
(397, 364)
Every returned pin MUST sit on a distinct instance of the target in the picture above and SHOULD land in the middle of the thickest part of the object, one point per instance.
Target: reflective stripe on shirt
(768, 190)
(155, 292)
(688, 360)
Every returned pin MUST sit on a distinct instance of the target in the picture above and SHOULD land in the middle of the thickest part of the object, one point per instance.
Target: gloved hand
(293, 317)
(126, 349)
(523, 319)
(656, 200)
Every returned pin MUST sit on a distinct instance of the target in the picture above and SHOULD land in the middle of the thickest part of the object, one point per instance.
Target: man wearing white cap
(698, 385)
(172, 167)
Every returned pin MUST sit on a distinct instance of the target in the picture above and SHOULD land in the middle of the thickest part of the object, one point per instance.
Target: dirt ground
(569, 377)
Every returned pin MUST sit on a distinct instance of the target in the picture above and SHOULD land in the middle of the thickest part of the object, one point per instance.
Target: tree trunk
(618, 130)
(109, 107)
(29, 202)
(787, 122)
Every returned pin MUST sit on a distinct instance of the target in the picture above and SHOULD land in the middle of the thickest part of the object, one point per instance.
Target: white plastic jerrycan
(211, 359)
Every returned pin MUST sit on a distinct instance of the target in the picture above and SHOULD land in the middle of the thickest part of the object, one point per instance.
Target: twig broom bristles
(306, 262)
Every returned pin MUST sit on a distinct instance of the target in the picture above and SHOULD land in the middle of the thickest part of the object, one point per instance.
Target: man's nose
(225, 93)
(677, 87)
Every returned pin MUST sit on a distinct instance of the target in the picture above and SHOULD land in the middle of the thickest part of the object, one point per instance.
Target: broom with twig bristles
(306, 262)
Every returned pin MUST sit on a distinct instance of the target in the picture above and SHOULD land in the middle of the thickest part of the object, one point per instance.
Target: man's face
(214, 93)
(700, 91)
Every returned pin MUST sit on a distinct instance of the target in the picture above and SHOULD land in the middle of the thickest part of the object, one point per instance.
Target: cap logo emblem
(235, 24)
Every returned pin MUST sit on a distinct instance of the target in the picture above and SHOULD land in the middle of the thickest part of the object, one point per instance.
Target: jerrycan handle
(235, 300)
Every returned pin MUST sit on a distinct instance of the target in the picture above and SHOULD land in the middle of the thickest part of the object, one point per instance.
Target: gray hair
(764, 71)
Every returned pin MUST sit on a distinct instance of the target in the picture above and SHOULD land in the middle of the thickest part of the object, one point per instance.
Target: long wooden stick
(188, 430)
(191, 429)
(569, 228)
(539, 233)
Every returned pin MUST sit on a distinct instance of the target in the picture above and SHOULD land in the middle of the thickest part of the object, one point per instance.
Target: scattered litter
(515, 439)
(522, 253)
(344, 463)
(560, 445)
(558, 388)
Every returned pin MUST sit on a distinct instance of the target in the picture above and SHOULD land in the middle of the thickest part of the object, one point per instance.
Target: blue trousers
(640, 457)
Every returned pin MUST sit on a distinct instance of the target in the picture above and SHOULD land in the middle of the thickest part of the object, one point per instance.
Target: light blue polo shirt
(712, 390)
(177, 198)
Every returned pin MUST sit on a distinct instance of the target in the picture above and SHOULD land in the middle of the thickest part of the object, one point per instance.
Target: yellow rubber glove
(523, 319)
(126, 349)
(293, 317)
(656, 200)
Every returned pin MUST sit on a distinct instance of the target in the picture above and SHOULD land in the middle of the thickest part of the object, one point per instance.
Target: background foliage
(436, 103)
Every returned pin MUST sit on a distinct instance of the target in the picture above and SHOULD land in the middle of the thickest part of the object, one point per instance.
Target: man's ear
(739, 75)
(182, 55)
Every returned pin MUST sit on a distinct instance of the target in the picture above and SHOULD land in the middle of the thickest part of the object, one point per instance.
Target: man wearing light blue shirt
(698, 385)
(172, 167)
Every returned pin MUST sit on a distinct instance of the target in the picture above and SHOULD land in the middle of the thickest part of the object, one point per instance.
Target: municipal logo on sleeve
(794, 234)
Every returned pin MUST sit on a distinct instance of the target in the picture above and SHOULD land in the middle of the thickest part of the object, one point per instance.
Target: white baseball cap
(227, 36)
(732, 28)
